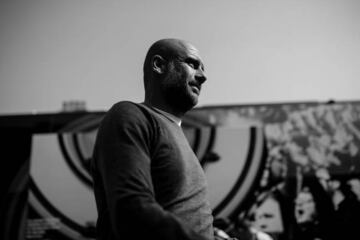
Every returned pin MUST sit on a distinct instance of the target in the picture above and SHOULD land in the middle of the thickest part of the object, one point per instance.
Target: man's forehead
(188, 50)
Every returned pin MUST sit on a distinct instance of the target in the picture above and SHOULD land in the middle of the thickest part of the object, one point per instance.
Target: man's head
(173, 75)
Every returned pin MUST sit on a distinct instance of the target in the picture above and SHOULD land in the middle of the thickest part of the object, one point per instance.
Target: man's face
(182, 83)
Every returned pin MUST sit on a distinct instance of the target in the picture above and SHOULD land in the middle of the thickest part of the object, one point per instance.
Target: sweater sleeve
(123, 158)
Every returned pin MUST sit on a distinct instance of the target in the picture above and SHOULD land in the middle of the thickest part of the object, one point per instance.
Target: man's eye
(193, 64)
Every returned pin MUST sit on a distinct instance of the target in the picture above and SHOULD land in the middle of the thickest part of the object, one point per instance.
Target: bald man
(148, 182)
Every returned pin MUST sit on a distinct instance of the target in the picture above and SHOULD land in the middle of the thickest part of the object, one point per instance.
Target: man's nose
(200, 76)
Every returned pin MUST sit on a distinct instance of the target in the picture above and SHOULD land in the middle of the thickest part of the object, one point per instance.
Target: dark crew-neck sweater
(148, 183)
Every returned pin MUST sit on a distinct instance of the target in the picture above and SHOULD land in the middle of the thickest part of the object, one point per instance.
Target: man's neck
(169, 115)
(164, 107)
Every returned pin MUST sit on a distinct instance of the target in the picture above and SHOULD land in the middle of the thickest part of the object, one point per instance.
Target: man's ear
(158, 64)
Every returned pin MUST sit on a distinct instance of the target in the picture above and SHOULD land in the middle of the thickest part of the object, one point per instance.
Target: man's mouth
(195, 87)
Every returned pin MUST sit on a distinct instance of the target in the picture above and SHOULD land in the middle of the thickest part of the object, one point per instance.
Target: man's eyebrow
(202, 66)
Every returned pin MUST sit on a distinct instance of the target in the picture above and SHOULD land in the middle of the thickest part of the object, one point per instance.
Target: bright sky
(255, 51)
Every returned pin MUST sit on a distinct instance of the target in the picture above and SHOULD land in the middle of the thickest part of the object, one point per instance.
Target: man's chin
(182, 102)
(185, 106)
(193, 100)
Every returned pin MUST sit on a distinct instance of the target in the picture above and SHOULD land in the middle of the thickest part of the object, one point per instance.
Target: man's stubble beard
(176, 90)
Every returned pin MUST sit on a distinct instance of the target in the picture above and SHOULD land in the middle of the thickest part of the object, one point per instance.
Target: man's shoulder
(127, 110)
(124, 105)
(127, 107)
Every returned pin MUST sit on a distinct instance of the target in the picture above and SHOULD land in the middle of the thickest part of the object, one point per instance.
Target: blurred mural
(275, 171)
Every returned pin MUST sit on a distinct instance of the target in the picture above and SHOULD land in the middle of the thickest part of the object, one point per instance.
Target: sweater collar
(170, 116)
